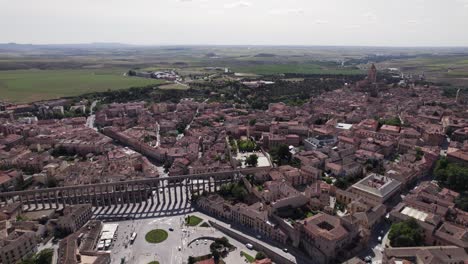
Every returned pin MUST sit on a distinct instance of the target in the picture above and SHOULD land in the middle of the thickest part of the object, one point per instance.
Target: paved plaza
(176, 249)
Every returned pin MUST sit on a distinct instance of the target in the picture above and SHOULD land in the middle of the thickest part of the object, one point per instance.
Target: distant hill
(28, 47)
(265, 55)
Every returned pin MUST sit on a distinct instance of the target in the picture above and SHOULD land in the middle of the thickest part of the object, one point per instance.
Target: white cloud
(320, 22)
(370, 16)
(352, 26)
(463, 2)
(238, 4)
(286, 11)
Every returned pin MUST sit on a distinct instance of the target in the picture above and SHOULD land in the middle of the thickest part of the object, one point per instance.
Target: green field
(193, 220)
(156, 236)
(174, 86)
(305, 68)
(22, 86)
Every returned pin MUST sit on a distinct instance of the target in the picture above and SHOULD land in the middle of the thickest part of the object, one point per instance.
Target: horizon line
(231, 45)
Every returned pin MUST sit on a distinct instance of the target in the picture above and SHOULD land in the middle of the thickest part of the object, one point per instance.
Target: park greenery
(419, 153)
(394, 121)
(156, 236)
(451, 175)
(260, 255)
(249, 258)
(247, 145)
(234, 192)
(462, 201)
(43, 257)
(455, 177)
(252, 160)
(205, 224)
(295, 214)
(282, 156)
(233, 144)
(193, 220)
(406, 234)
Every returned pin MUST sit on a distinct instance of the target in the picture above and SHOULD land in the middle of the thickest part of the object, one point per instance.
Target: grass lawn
(174, 86)
(193, 220)
(248, 257)
(23, 86)
(156, 236)
(205, 224)
(154, 262)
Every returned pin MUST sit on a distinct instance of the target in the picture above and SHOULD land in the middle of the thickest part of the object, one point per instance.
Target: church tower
(372, 74)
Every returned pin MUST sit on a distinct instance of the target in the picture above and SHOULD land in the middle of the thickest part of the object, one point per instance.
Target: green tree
(247, 145)
(342, 183)
(191, 260)
(44, 257)
(252, 160)
(281, 155)
(451, 175)
(181, 127)
(462, 202)
(419, 153)
(406, 234)
(260, 255)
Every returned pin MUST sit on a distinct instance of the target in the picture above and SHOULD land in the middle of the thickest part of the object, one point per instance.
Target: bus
(132, 237)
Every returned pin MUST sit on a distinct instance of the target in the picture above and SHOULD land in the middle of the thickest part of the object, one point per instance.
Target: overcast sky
(262, 22)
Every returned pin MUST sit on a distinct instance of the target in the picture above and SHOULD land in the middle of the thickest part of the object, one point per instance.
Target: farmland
(174, 86)
(305, 68)
(451, 69)
(32, 85)
(32, 73)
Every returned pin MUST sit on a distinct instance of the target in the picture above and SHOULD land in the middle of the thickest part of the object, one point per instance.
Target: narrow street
(92, 117)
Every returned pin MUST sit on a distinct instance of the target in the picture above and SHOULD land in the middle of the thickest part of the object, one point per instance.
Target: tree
(284, 153)
(252, 160)
(341, 183)
(247, 145)
(281, 155)
(462, 202)
(406, 234)
(45, 256)
(451, 175)
(181, 127)
(260, 255)
(419, 153)
(191, 260)
(233, 191)
(51, 182)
